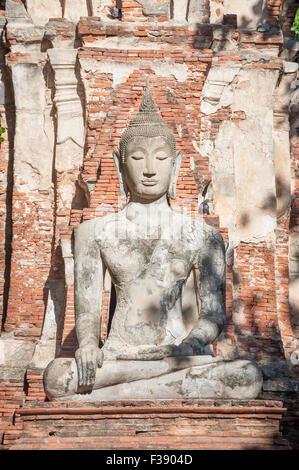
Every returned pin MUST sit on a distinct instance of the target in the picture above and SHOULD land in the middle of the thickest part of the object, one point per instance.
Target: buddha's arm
(88, 301)
(211, 265)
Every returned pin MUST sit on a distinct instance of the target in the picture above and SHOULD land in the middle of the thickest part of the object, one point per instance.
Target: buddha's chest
(165, 260)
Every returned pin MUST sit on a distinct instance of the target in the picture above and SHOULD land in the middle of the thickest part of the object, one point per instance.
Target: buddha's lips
(149, 182)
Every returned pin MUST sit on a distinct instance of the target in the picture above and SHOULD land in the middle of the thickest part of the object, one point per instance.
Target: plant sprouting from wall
(295, 26)
(2, 130)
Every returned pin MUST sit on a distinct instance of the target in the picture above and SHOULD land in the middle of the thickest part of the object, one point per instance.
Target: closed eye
(137, 157)
(162, 157)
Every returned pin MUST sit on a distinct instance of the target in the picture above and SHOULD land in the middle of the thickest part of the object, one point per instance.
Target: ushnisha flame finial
(147, 103)
(147, 123)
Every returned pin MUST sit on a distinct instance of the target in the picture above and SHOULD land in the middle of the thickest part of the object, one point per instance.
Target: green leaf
(295, 26)
(2, 130)
(2, 139)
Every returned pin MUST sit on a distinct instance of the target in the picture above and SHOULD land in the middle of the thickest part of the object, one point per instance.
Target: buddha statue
(168, 271)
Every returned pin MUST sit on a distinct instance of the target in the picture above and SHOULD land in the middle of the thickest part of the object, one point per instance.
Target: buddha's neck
(161, 203)
(148, 212)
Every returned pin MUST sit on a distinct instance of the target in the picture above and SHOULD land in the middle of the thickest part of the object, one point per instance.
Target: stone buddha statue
(168, 271)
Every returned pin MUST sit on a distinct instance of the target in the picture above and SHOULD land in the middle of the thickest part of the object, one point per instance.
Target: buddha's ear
(174, 174)
(122, 184)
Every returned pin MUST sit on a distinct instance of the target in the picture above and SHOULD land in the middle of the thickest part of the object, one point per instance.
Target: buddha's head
(147, 161)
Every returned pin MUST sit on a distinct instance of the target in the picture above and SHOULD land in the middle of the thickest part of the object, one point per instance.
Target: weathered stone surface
(211, 378)
(150, 251)
(49, 343)
(198, 11)
(216, 12)
(277, 378)
(249, 13)
(281, 138)
(223, 170)
(42, 10)
(61, 34)
(70, 135)
(74, 9)
(225, 40)
(256, 206)
(294, 277)
(67, 253)
(16, 12)
(11, 373)
(33, 160)
(154, 8)
(217, 91)
(180, 10)
(14, 353)
(69, 107)
(225, 142)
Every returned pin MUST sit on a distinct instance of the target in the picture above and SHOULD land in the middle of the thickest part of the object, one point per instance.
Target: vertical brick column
(4, 210)
(32, 206)
(283, 202)
(294, 222)
(68, 158)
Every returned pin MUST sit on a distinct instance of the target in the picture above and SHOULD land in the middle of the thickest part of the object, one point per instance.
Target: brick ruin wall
(224, 74)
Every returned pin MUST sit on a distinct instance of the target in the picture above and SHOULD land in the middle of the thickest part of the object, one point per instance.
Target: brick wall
(257, 283)
(260, 336)
(109, 110)
(151, 425)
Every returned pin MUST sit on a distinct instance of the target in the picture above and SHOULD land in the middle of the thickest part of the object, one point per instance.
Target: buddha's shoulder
(98, 225)
(197, 228)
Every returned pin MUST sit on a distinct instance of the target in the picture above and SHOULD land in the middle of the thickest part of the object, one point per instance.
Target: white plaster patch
(74, 9)
(206, 145)
(253, 152)
(2, 353)
(66, 193)
(192, 163)
(216, 12)
(196, 147)
(42, 10)
(126, 43)
(290, 67)
(239, 317)
(168, 69)
(14, 353)
(121, 71)
(222, 168)
(249, 12)
(180, 10)
(217, 92)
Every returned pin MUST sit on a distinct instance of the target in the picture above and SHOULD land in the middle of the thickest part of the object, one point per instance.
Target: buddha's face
(148, 167)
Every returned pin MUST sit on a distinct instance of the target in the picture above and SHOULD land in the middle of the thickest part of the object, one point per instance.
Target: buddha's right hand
(88, 359)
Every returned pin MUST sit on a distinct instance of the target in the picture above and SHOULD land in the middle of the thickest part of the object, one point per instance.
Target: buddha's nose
(149, 170)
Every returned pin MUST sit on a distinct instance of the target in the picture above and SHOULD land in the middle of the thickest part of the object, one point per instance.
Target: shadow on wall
(10, 117)
(259, 9)
(275, 442)
(69, 345)
(257, 21)
(294, 268)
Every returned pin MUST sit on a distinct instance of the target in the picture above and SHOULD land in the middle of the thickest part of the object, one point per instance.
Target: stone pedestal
(149, 425)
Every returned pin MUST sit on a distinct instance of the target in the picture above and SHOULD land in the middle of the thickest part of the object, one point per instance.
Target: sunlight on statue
(168, 271)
